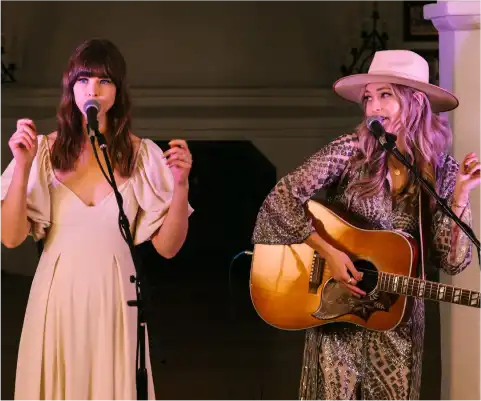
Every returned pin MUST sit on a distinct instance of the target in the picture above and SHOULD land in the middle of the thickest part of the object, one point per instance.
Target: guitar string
(465, 294)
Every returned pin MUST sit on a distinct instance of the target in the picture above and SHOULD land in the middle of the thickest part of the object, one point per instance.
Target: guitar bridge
(315, 277)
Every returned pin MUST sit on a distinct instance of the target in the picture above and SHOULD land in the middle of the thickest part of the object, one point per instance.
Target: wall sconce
(7, 69)
(372, 42)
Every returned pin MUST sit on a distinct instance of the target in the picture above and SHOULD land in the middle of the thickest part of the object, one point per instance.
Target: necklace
(395, 170)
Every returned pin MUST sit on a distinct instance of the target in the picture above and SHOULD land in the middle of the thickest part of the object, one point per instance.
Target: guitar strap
(424, 221)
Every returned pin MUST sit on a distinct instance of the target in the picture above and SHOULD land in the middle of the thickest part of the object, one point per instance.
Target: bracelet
(454, 204)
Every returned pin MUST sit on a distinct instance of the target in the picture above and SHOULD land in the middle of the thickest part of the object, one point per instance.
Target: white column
(459, 51)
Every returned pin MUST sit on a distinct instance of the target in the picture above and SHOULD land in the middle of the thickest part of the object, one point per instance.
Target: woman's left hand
(179, 159)
(468, 177)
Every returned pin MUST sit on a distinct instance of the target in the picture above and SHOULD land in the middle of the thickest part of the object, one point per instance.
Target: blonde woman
(344, 361)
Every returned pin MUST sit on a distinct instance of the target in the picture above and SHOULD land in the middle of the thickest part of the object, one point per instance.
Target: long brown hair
(99, 58)
(425, 135)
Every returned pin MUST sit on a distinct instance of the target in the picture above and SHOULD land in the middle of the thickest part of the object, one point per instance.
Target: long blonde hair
(424, 135)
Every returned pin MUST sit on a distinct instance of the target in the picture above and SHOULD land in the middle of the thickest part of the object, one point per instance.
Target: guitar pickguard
(336, 301)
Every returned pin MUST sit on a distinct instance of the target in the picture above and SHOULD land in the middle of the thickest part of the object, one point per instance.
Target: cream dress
(79, 335)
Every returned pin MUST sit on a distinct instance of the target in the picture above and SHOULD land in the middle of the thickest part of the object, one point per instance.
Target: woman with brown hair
(79, 335)
(341, 360)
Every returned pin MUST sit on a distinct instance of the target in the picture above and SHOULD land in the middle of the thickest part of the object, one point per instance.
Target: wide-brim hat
(403, 67)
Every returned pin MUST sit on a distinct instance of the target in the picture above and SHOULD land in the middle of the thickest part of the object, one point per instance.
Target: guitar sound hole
(369, 279)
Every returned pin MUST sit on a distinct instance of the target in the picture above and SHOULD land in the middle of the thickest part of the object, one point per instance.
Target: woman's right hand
(340, 265)
(23, 142)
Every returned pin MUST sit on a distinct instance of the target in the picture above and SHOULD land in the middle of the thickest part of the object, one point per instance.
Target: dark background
(207, 342)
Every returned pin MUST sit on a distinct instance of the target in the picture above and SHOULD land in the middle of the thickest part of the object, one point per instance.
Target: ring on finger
(349, 281)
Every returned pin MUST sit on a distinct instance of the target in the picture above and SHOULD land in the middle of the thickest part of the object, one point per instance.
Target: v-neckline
(75, 195)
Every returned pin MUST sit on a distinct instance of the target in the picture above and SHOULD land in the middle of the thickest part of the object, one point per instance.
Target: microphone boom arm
(388, 142)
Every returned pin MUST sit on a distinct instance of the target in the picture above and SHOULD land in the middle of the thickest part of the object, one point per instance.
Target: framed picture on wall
(416, 28)
(432, 57)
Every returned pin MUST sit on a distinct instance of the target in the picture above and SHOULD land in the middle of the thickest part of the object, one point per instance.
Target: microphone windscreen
(371, 120)
(91, 103)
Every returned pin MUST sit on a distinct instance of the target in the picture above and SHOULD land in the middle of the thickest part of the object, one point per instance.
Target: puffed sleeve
(282, 218)
(153, 187)
(38, 191)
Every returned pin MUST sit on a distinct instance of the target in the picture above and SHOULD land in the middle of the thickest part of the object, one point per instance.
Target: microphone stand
(388, 142)
(124, 226)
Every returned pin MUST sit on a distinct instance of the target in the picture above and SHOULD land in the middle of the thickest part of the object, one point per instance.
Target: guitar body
(292, 287)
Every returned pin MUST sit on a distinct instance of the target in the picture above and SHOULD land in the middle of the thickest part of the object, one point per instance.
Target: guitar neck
(416, 287)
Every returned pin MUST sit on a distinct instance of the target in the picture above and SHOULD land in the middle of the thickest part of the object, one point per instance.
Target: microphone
(374, 124)
(91, 108)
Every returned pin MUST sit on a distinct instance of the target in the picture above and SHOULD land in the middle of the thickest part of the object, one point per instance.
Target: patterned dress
(344, 361)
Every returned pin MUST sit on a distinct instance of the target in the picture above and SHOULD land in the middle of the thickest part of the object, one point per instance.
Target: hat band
(397, 74)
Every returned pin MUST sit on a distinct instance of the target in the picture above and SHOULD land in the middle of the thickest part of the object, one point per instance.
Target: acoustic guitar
(292, 287)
